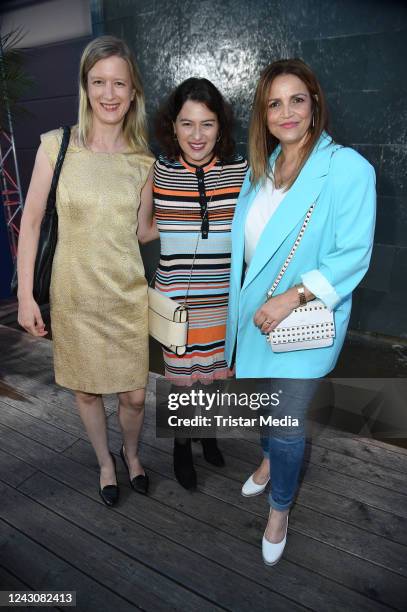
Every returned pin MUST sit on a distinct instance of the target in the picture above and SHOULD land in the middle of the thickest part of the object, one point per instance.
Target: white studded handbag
(307, 327)
(310, 326)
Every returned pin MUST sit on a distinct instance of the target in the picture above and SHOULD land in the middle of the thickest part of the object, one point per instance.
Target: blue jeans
(283, 444)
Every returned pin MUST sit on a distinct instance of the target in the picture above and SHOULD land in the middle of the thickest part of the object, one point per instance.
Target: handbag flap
(168, 333)
(313, 313)
(165, 307)
(307, 324)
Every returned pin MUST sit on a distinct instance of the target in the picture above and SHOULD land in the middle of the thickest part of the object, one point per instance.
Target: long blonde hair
(261, 142)
(134, 125)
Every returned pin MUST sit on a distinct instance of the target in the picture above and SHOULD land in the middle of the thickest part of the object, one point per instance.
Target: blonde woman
(98, 294)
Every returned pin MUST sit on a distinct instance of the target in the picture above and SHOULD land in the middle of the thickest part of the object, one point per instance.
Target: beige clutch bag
(167, 322)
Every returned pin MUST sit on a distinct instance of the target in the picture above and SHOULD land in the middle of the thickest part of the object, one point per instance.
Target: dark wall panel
(357, 48)
(52, 100)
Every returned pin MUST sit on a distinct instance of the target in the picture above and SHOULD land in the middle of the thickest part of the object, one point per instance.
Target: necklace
(203, 203)
(279, 179)
(204, 228)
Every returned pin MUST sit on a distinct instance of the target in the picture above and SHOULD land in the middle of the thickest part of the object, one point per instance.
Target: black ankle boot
(183, 466)
(211, 452)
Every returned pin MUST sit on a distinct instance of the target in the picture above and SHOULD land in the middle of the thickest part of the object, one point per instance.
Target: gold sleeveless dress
(98, 289)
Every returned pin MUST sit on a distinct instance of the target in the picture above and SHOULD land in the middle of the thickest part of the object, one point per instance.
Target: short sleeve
(51, 143)
(146, 163)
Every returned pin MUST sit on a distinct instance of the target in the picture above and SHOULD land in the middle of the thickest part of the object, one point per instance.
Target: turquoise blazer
(331, 260)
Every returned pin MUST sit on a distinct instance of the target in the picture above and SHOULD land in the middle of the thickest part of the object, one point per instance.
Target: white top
(263, 207)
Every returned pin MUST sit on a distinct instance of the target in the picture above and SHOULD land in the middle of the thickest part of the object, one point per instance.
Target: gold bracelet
(301, 294)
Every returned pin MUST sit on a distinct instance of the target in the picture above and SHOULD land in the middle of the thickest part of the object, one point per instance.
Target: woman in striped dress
(196, 185)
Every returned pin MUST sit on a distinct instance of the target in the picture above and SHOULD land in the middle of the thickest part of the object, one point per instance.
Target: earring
(175, 137)
(218, 138)
(313, 121)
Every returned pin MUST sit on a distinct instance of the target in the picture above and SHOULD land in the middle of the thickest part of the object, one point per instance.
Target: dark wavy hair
(198, 90)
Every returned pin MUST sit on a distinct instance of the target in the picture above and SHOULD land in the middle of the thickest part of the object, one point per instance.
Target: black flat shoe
(183, 465)
(211, 452)
(110, 493)
(139, 483)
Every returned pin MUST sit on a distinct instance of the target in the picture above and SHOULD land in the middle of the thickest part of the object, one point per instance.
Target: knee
(133, 400)
(86, 399)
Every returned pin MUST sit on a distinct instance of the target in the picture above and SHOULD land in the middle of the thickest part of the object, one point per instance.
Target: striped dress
(178, 214)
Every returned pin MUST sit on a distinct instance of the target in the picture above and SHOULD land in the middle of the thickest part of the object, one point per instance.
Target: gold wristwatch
(301, 294)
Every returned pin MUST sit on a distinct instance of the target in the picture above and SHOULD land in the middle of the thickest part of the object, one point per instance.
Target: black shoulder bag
(48, 235)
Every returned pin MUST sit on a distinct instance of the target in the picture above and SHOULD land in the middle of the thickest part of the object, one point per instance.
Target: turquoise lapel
(246, 198)
(293, 208)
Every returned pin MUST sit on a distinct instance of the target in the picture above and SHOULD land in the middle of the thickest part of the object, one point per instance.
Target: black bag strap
(51, 200)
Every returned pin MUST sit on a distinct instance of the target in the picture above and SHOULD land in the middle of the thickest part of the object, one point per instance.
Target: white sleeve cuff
(321, 288)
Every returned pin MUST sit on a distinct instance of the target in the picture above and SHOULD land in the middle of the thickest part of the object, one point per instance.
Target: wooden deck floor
(347, 542)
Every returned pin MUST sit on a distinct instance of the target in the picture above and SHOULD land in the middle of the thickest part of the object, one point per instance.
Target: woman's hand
(272, 312)
(29, 317)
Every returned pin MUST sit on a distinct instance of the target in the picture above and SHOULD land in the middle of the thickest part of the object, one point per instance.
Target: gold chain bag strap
(307, 327)
(167, 318)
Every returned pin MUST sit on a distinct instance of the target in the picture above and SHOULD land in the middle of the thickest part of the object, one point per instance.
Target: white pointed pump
(272, 553)
(251, 488)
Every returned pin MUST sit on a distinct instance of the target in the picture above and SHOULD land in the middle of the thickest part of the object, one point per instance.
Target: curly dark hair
(198, 90)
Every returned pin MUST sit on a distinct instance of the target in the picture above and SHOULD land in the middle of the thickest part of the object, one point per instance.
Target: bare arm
(29, 314)
(147, 227)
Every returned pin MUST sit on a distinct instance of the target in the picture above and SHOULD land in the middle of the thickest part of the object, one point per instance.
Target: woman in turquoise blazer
(294, 163)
